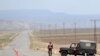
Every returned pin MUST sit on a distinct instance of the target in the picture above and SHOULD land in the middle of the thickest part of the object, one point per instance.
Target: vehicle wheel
(90, 55)
(83, 55)
(75, 55)
(63, 55)
(87, 54)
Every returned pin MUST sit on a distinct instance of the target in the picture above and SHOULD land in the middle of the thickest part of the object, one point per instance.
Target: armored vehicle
(84, 48)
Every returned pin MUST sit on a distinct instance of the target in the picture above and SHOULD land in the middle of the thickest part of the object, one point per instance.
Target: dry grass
(39, 40)
(67, 39)
(5, 38)
(38, 45)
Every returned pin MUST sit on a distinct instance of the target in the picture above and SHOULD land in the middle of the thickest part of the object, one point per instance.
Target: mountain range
(24, 19)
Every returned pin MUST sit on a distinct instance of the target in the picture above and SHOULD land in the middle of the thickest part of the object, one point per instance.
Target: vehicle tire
(87, 54)
(63, 55)
(75, 55)
(83, 55)
(90, 55)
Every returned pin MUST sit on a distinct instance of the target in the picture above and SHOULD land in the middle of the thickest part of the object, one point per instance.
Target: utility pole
(49, 29)
(75, 31)
(95, 36)
(64, 28)
(95, 33)
(56, 29)
(34, 28)
(95, 30)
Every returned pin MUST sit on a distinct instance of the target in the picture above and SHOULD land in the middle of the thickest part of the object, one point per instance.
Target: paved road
(20, 47)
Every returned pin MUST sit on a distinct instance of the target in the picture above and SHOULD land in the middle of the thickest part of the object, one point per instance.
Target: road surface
(20, 47)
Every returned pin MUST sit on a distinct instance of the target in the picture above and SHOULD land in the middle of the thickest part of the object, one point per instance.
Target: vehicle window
(73, 45)
(88, 44)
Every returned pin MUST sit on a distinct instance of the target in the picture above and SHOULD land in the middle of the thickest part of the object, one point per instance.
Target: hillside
(12, 25)
(46, 16)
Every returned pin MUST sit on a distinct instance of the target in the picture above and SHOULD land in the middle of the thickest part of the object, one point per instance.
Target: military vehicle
(84, 48)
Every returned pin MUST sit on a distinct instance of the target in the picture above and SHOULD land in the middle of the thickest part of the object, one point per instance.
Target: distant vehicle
(84, 48)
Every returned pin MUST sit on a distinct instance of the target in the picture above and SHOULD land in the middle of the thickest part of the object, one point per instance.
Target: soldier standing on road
(50, 47)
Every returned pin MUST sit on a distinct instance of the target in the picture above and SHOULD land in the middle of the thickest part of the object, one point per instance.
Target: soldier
(50, 47)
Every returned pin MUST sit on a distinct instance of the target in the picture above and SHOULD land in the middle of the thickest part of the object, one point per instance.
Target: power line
(95, 29)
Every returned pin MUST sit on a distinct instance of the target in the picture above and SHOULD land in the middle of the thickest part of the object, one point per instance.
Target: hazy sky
(66, 6)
